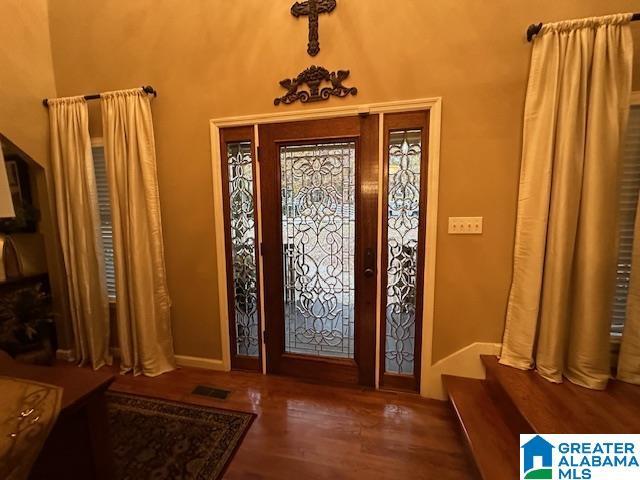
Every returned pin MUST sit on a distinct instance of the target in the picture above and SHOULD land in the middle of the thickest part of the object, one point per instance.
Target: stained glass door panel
(239, 198)
(404, 229)
(243, 248)
(403, 218)
(318, 224)
(318, 234)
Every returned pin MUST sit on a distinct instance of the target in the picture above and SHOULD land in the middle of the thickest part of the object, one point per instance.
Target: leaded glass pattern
(318, 236)
(403, 218)
(243, 247)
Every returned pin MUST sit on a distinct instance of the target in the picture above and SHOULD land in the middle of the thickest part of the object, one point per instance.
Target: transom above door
(331, 234)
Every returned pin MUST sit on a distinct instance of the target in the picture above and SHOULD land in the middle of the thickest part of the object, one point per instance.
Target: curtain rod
(148, 89)
(535, 28)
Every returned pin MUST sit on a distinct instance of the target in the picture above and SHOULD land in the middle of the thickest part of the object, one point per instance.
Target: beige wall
(26, 77)
(216, 58)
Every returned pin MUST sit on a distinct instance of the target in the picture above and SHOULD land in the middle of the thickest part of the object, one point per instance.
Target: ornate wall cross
(313, 8)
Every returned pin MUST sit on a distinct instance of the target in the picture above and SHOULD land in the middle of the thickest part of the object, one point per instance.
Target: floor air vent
(207, 391)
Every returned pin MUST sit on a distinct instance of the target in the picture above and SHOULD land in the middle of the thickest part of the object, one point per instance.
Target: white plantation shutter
(104, 206)
(630, 187)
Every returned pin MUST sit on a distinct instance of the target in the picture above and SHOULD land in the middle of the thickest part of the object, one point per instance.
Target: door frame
(229, 136)
(434, 106)
(402, 122)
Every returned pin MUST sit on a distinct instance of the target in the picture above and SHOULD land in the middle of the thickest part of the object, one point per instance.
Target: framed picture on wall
(13, 175)
(19, 179)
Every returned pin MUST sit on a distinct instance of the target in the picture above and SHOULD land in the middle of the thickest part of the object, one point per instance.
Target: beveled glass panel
(243, 247)
(318, 236)
(403, 218)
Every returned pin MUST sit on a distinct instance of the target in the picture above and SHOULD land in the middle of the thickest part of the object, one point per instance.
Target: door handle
(369, 263)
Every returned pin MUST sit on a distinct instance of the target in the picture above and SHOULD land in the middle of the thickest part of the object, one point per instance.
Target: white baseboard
(463, 363)
(65, 355)
(200, 362)
(181, 360)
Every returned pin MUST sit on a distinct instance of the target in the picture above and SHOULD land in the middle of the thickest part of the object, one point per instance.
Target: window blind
(628, 201)
(104, 207)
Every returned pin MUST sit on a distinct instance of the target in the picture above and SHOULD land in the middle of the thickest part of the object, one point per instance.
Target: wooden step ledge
(566, 408)
(492, 442)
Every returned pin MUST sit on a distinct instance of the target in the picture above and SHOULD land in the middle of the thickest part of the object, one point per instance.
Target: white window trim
(616, 340)
(434, 106)
(99, 142)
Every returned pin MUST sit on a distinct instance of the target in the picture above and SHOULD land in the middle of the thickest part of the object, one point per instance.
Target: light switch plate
(465, 225)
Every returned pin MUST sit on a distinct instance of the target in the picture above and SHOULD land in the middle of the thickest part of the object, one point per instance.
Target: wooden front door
(319, 191)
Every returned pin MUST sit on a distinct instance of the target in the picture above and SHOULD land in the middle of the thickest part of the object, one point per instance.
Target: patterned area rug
(159, 440)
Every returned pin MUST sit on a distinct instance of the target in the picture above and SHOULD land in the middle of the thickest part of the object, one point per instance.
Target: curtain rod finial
(148, 89)
(533, 30)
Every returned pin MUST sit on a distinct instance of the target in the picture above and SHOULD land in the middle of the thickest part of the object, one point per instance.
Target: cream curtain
(78, 224)
(629, 358)
(142, 299)
(565, 250)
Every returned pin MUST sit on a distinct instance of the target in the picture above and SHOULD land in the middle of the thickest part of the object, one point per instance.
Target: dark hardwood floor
(312, 431)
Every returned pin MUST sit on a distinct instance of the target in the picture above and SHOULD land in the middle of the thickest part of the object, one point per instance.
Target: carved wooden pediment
(314, 77)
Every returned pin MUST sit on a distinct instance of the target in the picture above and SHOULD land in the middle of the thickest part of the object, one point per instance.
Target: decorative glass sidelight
(405, 158)
(243, 247)
(318, 236)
